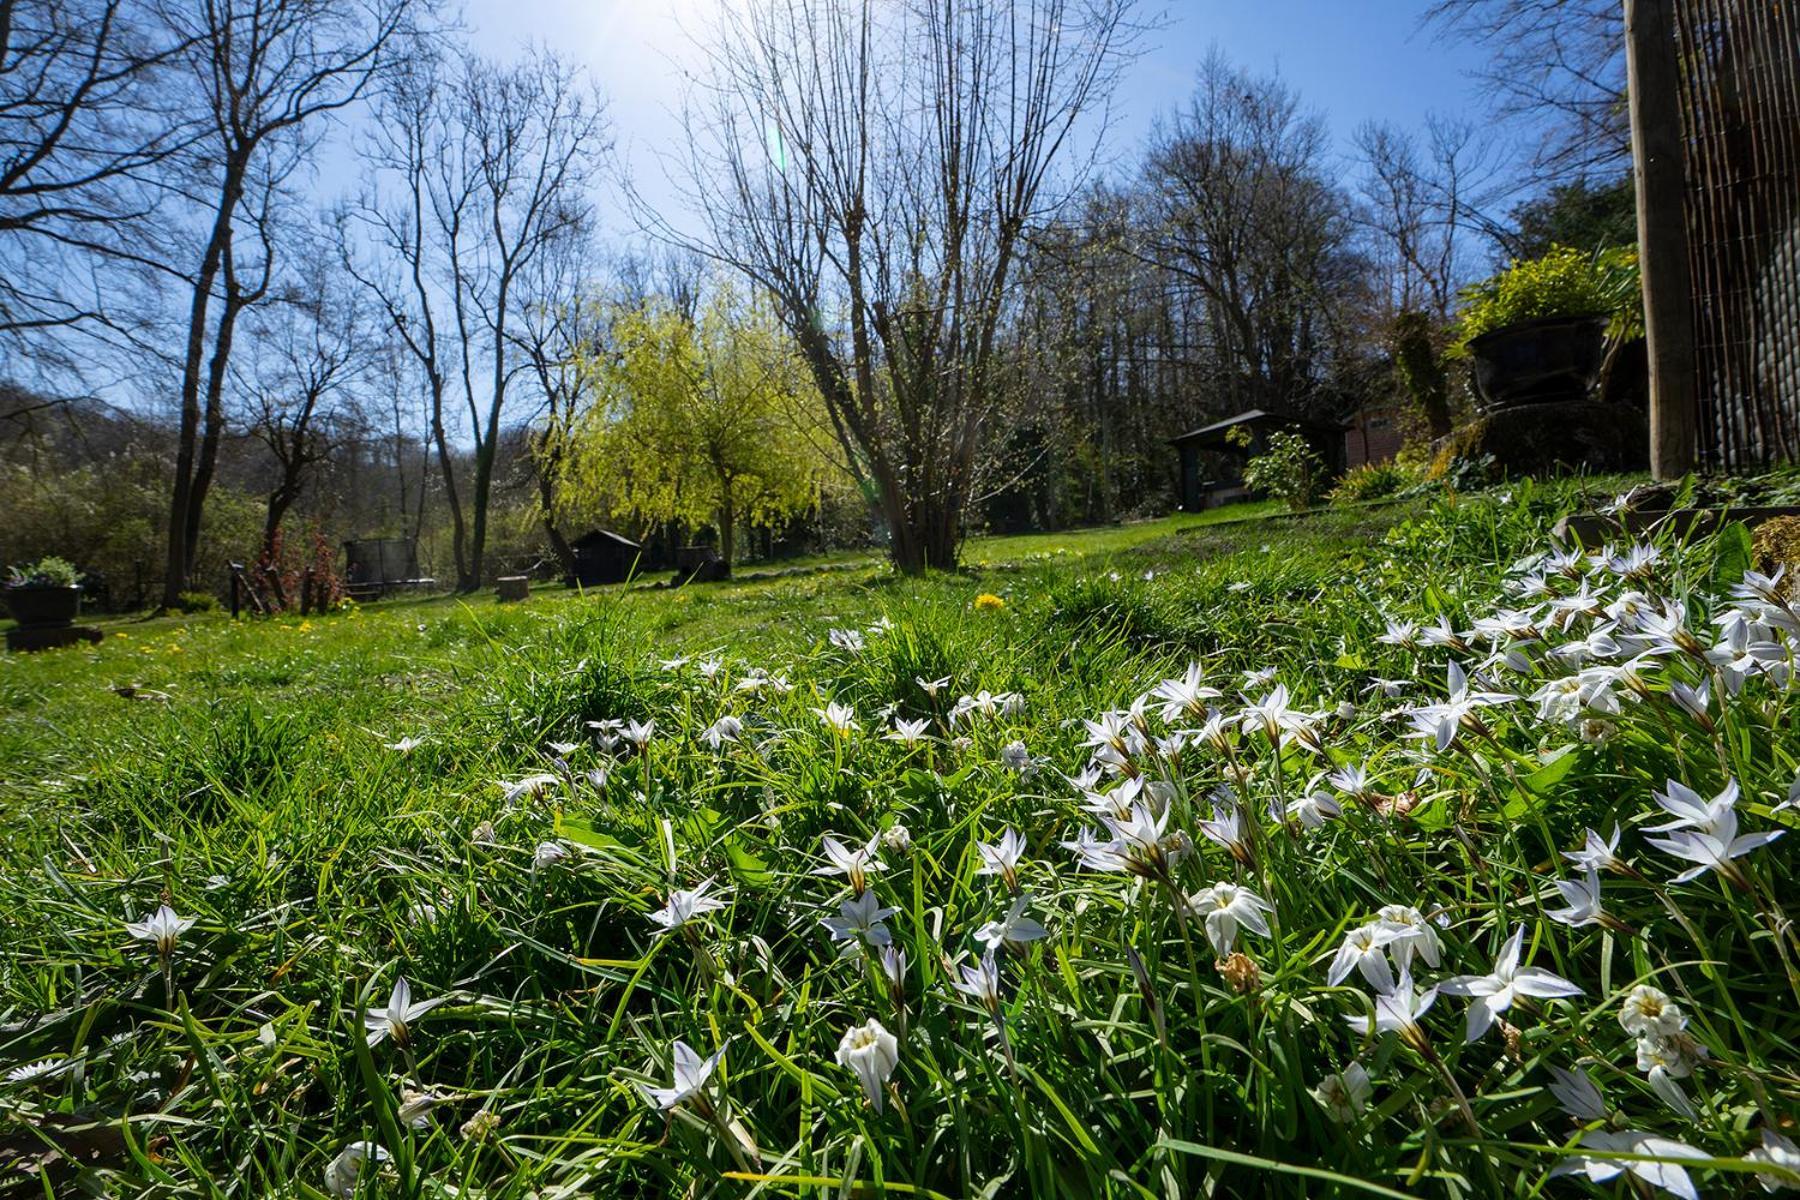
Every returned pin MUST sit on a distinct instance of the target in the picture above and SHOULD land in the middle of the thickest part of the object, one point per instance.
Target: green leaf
(1432, 814)
(1077, 1128)
(1521, 805)
(582, 832)
(1555, 769)
(748, 869)
(1732, 553)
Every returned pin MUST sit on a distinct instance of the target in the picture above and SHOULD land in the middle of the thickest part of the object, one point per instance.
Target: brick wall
(1374, 436)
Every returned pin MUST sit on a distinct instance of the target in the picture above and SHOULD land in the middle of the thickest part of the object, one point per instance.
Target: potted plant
(1544, 330)
(44, 595)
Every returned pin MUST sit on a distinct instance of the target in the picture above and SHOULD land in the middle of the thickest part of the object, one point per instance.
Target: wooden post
(1656, 148)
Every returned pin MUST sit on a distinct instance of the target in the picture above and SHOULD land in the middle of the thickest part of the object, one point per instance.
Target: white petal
(1481, 1017)
(1532, 981)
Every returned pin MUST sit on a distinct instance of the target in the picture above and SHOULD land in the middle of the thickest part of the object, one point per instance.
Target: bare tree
(264, 73)
(1427, 206)
(1114, 355)
(1558, 65)
(536, 135)
(666, 273)
(493, 167)
(560, 324)
(81, 125)
(1430, 204)
(308, 349)
(1242, 209)
(403, 424)
(412, 216)
(873, 168)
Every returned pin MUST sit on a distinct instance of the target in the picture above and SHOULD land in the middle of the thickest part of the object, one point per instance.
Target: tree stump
(512, 587)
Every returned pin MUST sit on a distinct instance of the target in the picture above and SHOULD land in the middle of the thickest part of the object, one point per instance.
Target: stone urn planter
(43, 606)
(46, 615)
(1544, 361)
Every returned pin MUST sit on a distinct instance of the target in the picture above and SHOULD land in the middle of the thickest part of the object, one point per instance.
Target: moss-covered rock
(1539, 439)
(1776, 544)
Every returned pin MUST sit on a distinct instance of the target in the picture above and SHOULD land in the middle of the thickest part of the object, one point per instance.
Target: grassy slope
(257, 793)
(375, 668)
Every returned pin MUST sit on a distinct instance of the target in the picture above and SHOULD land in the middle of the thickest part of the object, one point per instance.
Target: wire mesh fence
(1740, 81)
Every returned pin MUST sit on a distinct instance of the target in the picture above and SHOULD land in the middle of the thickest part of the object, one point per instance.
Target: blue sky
(1351, 60)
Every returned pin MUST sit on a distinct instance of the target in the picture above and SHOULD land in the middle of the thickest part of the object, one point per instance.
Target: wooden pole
(1656, 148)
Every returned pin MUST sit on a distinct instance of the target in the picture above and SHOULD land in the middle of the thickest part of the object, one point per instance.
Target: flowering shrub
(328, 585)
(293, 579)
(1474, 885)
(1289, 470)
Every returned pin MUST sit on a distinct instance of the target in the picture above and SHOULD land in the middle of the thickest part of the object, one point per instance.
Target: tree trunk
(484, 479)
(418, 525)
(559, 545)
(487, 447)
(727, 529)
(940, 541)
(279, 501)
(400, 462)
(183, 503)
(213, 429)
(905, 540)
(458, 534)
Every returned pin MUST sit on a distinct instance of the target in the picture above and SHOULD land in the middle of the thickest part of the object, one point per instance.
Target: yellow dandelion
(987, 600)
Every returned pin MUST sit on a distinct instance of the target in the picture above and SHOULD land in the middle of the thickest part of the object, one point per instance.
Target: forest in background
(214, 352)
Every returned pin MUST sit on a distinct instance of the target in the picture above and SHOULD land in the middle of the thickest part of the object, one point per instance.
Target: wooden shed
(1212, 460)
(373, 567)
(602, 556)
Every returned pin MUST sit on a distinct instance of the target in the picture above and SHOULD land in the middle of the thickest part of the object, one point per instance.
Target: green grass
(246, 780)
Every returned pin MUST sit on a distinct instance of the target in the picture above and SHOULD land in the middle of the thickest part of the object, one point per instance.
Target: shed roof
(602, 537)
(1253, 416)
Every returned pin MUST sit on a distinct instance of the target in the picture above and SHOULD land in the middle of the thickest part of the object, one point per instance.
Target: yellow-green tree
(709, 421)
